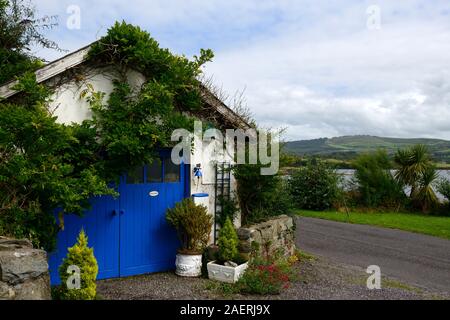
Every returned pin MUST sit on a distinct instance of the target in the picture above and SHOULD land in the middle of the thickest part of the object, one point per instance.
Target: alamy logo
(238, 144)
(74, 20)
(374, 281)
(74, 280)
(374, 17)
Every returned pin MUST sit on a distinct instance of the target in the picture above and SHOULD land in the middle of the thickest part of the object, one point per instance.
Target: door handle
(114, 213)
(122, 212)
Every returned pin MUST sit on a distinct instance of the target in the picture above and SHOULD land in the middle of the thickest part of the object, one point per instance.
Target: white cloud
(311, 66)
(393, 82)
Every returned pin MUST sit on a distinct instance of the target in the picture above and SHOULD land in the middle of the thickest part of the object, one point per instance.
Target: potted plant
(193, 224)
(225, 268)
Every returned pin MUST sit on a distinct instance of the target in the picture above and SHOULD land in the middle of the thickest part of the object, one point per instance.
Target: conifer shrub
(193, 224)
(228, 242)
(81, 256)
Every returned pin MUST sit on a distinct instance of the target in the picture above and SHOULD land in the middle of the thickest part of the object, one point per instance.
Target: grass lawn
(434, 226)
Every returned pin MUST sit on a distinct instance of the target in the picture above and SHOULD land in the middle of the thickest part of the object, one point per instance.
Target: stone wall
(279, 232)
(23, 271)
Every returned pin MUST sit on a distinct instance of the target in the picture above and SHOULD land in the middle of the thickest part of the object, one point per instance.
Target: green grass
(390, 283)
(430, 225)
(301, 255)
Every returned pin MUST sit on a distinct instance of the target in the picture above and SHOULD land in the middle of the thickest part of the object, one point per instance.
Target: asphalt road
(415, 259)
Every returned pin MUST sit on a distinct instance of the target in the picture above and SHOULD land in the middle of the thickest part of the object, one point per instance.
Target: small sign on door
(153, 193)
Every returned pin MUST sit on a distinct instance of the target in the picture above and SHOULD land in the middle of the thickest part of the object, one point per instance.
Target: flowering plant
(268, 275)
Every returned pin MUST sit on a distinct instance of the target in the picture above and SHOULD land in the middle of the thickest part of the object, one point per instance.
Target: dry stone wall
(23, 271)
(275, 234)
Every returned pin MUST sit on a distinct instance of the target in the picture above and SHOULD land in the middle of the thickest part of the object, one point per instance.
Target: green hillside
(348, 147)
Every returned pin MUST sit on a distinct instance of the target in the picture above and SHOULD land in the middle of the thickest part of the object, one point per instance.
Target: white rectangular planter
(225, 274)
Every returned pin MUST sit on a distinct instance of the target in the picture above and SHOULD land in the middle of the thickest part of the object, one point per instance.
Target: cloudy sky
(318, 68)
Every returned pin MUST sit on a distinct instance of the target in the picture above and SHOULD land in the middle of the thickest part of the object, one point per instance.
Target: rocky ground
(318, 279)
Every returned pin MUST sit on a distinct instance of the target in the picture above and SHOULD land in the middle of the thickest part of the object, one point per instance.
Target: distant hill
(348, 147)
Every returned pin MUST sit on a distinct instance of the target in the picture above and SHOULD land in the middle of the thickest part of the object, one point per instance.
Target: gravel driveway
(318, 279)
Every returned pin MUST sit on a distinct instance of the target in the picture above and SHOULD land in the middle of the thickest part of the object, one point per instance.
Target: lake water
(348, 174)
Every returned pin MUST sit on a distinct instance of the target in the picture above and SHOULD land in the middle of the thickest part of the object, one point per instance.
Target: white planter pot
(225, 274)
(188, 265)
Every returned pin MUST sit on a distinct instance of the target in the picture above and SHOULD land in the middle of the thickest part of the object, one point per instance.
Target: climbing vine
(46, 166)
(132, 125)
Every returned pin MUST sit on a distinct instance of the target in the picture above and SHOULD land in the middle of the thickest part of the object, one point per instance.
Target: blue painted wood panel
(102, 229)
(147, 242)
(129, 234)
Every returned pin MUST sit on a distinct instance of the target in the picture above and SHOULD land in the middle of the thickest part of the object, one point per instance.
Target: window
(154, 171)
(135, 175)
(171, 171)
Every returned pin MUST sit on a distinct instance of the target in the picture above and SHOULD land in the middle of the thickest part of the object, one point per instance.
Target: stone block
(23, 271)
(270, 235)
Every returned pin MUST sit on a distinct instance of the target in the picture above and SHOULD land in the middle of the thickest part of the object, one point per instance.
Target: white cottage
(129, 234)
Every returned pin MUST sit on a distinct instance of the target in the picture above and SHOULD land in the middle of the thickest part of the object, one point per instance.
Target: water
(348, 174)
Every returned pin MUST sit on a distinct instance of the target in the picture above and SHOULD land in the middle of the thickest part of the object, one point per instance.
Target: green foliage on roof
(46, 166)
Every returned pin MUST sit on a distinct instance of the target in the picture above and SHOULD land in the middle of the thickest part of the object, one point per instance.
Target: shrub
(263, 279)
(262, 194)
(229, 210)
(375, 183)
(47, 166)
(267, 275)
(426, 197)
(82, 256)
(228, 242)
(193, 224)
(412, 163)
(45, 173)
(443, 187)
(315, 186)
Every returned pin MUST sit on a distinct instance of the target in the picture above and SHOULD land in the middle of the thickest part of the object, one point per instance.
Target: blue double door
(129, 234)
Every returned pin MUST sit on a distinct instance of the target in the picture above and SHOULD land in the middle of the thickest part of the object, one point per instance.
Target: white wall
(208, 156)
(69, 107)
(67, 103)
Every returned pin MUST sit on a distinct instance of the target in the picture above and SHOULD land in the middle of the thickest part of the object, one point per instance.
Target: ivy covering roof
(221, 112)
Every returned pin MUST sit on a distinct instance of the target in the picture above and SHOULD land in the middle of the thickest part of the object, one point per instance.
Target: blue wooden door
(147, 242)
(129, 234)
(101, 225)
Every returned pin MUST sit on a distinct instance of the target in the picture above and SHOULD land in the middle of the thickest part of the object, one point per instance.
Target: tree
(412, 163)
(228, 242)
(41, 168)
(19, 32)
(416, 170)
(444, 188)
(48, 167)
(426, 196)
(80, 257)
(260, 196)
(376, 185)
(314, 186)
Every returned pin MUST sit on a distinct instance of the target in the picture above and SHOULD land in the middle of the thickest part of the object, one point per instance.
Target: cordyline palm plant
(412, 163)
(416, 170)
(426, 196)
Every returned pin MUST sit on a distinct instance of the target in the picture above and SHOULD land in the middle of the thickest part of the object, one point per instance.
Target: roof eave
(80, 56)
(50, 70)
